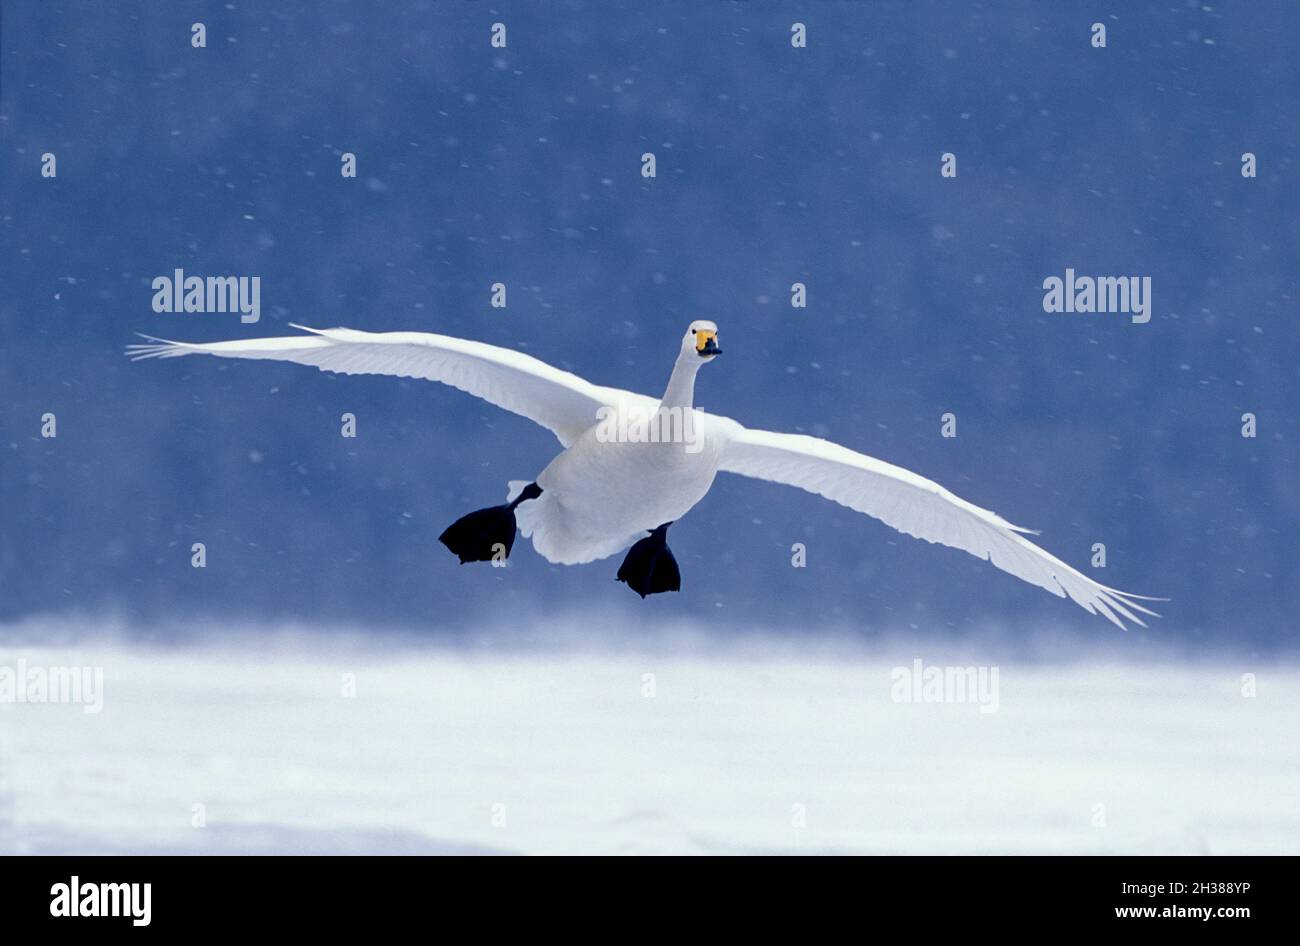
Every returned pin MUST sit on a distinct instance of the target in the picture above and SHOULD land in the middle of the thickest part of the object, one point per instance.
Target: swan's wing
(919, 507)
(560, 401)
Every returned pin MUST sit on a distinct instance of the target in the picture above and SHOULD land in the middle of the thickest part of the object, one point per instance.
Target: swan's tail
(542, 520)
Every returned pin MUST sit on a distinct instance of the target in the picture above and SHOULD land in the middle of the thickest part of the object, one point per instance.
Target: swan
(632, 465)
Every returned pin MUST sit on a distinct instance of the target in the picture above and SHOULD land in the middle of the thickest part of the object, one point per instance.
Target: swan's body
(585, 511)
(609, 486)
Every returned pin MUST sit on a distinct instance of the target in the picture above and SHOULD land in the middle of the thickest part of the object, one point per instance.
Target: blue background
(775, 165)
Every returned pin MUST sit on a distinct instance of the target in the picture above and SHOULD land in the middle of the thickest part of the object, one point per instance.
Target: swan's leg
(650, 567)
(486, 535)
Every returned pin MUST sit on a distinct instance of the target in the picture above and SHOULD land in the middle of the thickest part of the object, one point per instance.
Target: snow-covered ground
(666, 745)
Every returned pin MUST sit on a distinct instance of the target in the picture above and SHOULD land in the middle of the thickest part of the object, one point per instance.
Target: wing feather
(921, 508)
(559, 401)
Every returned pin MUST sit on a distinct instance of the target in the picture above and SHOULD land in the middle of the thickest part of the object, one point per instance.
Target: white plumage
(605, 489)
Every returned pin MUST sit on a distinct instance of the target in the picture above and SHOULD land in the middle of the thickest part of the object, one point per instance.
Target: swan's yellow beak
(706, 343)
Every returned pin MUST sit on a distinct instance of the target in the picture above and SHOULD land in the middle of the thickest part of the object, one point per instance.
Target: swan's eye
(692, 331)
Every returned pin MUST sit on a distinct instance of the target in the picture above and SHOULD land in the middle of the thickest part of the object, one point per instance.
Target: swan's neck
(681, 386)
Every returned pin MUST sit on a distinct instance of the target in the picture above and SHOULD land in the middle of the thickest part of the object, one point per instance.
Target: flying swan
(634, 464)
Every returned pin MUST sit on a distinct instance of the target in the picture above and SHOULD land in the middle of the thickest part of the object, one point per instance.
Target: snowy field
(539, 744)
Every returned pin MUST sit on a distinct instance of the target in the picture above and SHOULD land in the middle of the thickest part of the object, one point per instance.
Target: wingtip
(1122, 601)
(1129, 600)
(155, 348)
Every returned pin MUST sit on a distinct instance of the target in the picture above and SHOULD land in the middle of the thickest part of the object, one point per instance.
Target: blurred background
(775, 165)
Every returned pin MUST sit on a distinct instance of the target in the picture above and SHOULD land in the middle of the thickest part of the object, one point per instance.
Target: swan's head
(702, 338)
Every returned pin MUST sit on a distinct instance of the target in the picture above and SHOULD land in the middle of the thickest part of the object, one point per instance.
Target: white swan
(634, 464)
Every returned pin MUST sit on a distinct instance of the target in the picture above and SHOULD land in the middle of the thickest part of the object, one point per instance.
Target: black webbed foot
(649, 567)
(487, 534)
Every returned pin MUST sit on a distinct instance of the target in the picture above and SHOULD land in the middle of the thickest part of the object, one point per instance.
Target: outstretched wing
(561, 402)
(920, 508)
